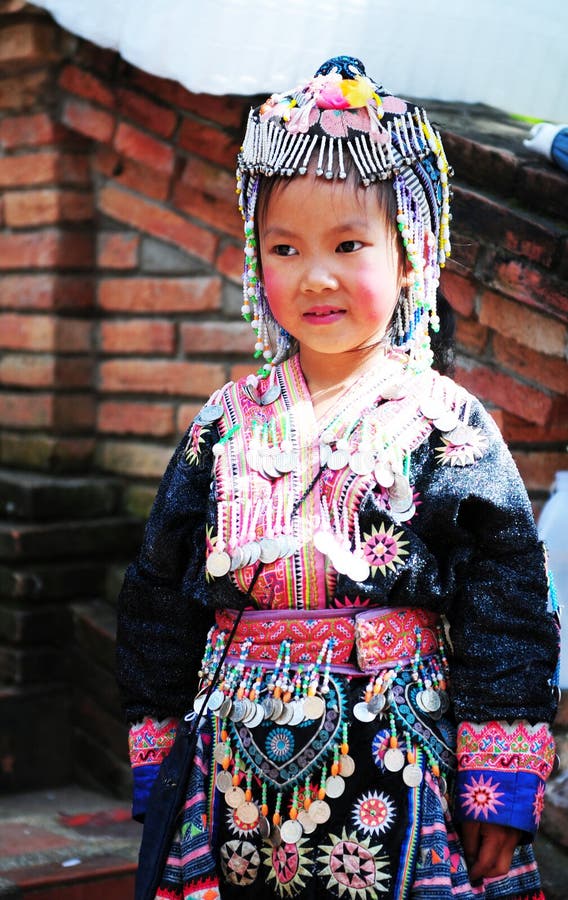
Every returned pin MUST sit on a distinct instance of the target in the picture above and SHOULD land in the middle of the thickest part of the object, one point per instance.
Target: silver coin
(314, 707)
(263, 827)
(412, 775)
(406, 514)
(420, 702)
(277, 707)
(268, 469)
(394, 391)
(334, 786)
(209, 414)
(293, 545)
(254, 549)
(269, 550)
(394, 759)
(285, 462)
(432, 408)
(400, 505)
(285, 715)
(362, 712)
(377, 703)
(270, 395)
(340, 560)
(297, 713)
(218, 563)
(346, 765)
(268, 707)
(257, 718)
(401, 488)
(319, 811)
(431, 700)
(444, 701)
(253, 458)
(236, 559)
(446, 422)
(275, 836)
(338, 460)
(291, 831)
(247, 812)
(245, 556)
(216, 700)
(251, 393)
(359, 568)
(238, 711)
(384, 474)
(362, 462)
(221, 751)
(234, 797)
(324, 541)
(199, 703)
(444, 803)
(442, 784)
(250, 711)
(459, 435)
(325, 453)
(224, 781)
(306, 822)
(225, 708)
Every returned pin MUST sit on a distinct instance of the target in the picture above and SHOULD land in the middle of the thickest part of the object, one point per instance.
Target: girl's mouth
(323, 314)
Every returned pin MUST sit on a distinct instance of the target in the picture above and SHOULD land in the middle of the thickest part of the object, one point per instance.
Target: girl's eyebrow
(349, 225)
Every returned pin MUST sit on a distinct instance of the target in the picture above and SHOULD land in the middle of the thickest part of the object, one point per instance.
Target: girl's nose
(317, 278)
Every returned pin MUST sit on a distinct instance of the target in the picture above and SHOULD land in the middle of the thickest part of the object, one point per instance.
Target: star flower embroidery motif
(538, 804)
(481, 797)
(195, 445)
(472, 447)
(384, 549)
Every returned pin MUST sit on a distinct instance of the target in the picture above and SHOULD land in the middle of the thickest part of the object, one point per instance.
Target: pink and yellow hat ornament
(337, 121)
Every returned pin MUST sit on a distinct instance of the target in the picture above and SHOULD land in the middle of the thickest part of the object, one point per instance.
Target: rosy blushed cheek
(274, 287)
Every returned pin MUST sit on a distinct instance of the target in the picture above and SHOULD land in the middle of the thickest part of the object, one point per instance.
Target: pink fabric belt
(382, 638)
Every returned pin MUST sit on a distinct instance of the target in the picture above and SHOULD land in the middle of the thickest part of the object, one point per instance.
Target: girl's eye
(349, 246)
(283, 250)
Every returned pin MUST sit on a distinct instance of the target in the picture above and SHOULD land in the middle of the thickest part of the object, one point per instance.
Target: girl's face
(331, 265)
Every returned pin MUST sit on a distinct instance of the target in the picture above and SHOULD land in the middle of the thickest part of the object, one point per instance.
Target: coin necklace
(219, 562)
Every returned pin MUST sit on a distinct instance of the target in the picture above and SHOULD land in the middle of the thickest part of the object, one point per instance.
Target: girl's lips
(324, 315)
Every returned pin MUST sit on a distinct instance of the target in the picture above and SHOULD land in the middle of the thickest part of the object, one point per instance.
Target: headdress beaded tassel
(337, 115)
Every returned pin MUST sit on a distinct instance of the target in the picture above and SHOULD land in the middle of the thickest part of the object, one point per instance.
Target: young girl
(378, 728)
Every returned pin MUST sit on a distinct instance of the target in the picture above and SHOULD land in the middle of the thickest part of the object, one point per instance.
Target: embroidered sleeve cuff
(502, 771)
(149, 742)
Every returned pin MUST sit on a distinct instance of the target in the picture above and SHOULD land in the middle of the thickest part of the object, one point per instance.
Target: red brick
(208, 193)
(242, 370)
(51, 291)
(116, 250)
(44, 167)
(145, 112)
(34, 130)
(50, 248)
(74, 412)
(460, 292)
(543, 189)
(480, 164)
(225, 110)
(471, 335)
(95, 58)
(131, 174)
(161, 377)
(28, 42)
(140, 146)
(493, 222)
(518, 431)
(47, 452)
(211, 143)
(157, 221)
(230, 262)
(539, 468)
(44, 333)
(45, 370)
(24, 90)
(46, 207)
(531, 286)
(26, 410)
(542, 370)
(138, 336)
(524, 325)
(506, 393)
(86, 85)
(217, 337)
(160, 294)
(85, 118)
(155, 419)
(464, 254)
(185, 415)
(140, 459)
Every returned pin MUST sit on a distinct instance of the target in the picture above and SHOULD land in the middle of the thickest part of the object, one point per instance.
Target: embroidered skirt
(338, 789)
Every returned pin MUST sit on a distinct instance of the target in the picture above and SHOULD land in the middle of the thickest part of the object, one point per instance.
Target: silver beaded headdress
(340, 115)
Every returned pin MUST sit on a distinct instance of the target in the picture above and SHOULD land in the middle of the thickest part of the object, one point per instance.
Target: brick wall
(120, 259)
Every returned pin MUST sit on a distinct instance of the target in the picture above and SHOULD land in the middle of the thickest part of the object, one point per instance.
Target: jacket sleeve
(472, 554)
(162, 613)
